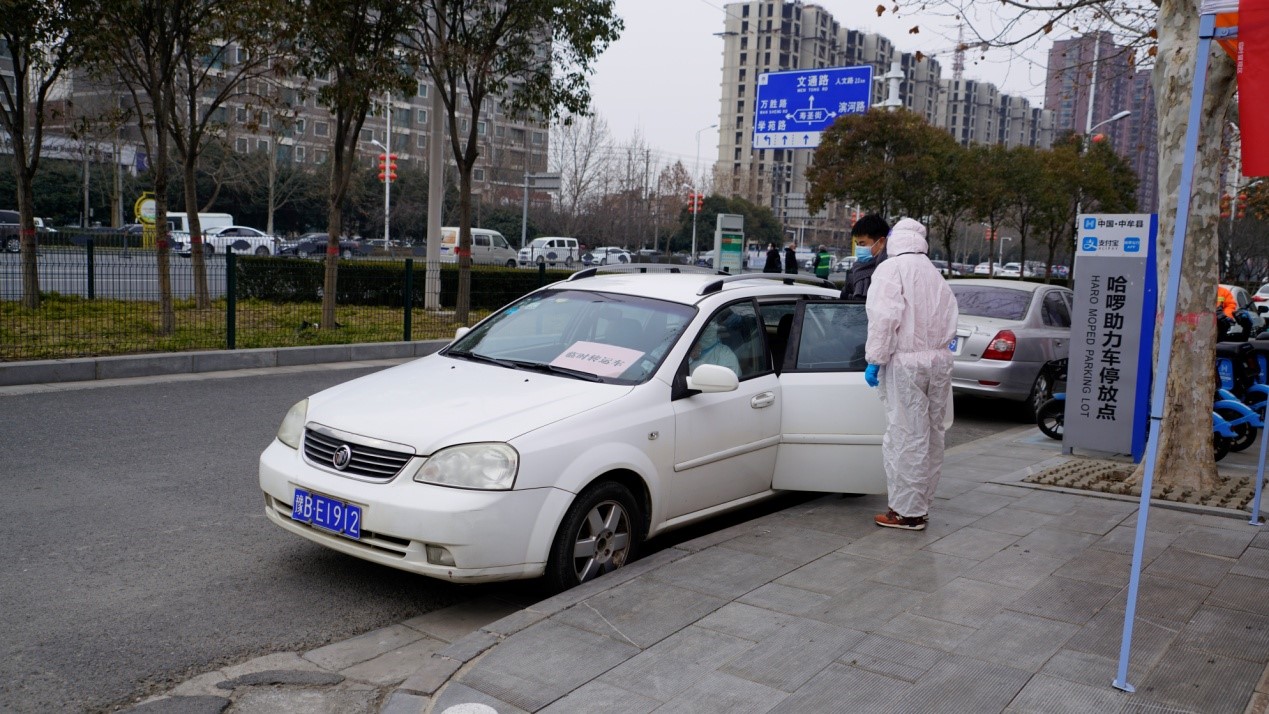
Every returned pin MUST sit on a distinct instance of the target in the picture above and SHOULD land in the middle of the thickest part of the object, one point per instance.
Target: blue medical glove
(870, 375)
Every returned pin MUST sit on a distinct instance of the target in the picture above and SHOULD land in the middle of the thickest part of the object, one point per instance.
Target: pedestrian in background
(790, 262)
(823, 263)
(869, 234)
(912, 316)
(773, 259)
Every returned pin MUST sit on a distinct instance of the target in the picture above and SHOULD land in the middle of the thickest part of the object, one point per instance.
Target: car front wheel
(13, 244)
(511, 264)
(599, 534)
(261, 250)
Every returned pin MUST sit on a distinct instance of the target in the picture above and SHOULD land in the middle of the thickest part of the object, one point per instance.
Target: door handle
(765, 399)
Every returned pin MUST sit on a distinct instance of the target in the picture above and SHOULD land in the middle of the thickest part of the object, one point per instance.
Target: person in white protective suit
(912, 316)
(709, 349)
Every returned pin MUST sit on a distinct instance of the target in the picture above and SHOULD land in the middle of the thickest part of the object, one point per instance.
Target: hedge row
(381, 282)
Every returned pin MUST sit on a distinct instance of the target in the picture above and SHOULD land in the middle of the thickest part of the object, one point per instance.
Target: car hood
(439, 401)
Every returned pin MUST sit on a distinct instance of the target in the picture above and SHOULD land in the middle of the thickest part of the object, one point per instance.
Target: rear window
(985, 301)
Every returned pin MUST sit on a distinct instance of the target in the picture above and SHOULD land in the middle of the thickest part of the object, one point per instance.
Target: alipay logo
(1090, 224)
(1090, 244)
(1132, 245)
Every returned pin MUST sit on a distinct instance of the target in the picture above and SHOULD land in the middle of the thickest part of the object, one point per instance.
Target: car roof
(685, 288)
(1006, 284)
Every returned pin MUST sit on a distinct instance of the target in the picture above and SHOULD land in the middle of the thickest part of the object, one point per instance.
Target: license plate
(327, 514)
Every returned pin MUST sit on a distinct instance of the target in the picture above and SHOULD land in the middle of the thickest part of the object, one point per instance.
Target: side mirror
(461, 331)
(1262, 308)
(713, 378)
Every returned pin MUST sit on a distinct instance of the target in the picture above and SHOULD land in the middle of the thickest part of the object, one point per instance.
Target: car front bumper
(492, 535)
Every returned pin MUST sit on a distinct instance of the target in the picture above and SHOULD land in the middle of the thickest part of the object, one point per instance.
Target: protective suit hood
(907, 236)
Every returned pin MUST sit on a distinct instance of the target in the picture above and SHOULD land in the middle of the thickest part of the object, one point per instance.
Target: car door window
(828, 336)
(482, 241)
(734, 338)
(1054, 310)
(500, 242)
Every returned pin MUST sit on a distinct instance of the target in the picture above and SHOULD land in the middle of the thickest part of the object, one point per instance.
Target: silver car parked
(1010, 328)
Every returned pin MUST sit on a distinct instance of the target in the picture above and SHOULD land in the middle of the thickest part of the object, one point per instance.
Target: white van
(488, 247)
(550, 250)
(178, 227)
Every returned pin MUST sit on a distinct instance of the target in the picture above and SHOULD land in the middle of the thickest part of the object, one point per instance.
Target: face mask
(863, 254)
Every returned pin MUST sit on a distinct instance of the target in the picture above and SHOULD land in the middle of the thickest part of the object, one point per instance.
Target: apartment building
(1089, 80)
(292, 124)
(777, 35)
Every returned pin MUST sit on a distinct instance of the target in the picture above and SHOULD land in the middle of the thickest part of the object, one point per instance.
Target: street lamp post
(1088, 133)
(697, 167)
(387, 173)
(1000, 260)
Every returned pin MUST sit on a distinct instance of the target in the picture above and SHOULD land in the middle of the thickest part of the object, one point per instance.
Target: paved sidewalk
(1011, 601)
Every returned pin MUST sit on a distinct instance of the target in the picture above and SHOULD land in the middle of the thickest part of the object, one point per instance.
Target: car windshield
(986, 301)
(617, 339)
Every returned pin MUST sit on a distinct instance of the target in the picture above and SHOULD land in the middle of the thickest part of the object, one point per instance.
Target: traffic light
(695, 201)
(387, 167)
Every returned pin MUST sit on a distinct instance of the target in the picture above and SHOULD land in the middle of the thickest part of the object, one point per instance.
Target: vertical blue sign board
(793, 108)
(1112, 334)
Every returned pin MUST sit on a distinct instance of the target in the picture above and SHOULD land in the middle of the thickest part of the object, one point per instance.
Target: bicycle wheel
(1246, 433)
(1051, 417)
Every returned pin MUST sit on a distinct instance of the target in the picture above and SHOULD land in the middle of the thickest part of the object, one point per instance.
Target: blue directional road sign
(793, 108)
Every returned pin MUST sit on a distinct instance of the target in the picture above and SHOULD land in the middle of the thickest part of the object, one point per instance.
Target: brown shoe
(890, 519)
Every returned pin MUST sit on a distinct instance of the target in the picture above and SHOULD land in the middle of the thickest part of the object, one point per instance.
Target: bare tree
(535, 54)
(223, 47)
(40, 41)
(579, 151)
(353, 53)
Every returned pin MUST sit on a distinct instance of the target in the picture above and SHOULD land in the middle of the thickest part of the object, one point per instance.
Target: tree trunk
(1185, 440)
(334, 221)
(462, 304)
(27, 236)
(162, 236)
(202, 298)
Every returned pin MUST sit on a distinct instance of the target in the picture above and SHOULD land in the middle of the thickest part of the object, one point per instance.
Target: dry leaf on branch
(881, 10)
(915, 30)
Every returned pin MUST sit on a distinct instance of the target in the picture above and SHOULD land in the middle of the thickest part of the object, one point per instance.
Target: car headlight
(292, 429)
(487, 466)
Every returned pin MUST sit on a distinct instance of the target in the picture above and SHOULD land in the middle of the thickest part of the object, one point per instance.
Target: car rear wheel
(511, 264)
(568, 262)
(208, 249)
(346, 253)
(261, 250)
(599, 534)
(13, 244)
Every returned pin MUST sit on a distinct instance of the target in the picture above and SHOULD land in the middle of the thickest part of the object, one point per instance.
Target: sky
(662, 78)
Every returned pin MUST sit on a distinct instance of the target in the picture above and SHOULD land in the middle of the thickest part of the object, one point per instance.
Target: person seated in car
(709, 349)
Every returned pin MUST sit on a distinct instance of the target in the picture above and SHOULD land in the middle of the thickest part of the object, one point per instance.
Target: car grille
(367, 461)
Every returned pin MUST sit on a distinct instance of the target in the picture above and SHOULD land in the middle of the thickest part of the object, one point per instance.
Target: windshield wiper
(477, 357)
(555, 369)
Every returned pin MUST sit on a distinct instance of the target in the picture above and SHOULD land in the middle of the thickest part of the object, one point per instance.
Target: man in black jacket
(869, 233)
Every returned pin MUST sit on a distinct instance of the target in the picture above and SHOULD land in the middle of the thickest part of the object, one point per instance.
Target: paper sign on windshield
(603, 360)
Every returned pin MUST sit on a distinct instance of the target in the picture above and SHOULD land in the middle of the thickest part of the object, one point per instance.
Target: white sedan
(562, 431)
(243, 239)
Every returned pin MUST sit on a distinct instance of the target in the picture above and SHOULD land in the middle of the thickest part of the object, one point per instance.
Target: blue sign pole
(792, 109)
(1207, 24)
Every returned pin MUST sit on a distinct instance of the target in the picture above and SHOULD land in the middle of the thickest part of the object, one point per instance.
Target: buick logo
(341, 457)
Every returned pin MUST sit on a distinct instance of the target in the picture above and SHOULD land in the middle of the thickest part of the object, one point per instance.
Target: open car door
(832, 421)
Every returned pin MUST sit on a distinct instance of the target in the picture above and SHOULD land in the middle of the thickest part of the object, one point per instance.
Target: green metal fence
(105, 299)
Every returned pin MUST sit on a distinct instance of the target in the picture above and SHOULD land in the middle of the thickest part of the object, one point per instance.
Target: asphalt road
(137, 553)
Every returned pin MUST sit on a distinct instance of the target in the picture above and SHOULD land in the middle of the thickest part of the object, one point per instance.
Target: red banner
(1253, 85)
